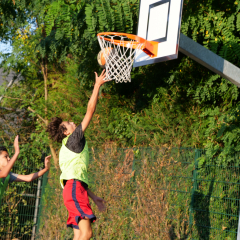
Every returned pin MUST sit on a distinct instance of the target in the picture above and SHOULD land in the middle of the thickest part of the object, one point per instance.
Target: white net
(120, 59)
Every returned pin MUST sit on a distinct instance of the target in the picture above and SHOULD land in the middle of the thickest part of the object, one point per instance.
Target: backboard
(160, 21)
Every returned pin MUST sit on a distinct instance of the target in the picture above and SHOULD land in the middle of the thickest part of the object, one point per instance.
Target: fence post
(238, 231)
(194, 186)
(36, 208)
(44, 180)
(133, 168)
(44, 183)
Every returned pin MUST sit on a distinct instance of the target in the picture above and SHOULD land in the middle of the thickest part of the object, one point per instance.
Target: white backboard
(160, 21)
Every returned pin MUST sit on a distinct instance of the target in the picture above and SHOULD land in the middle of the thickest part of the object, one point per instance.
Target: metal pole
(36, 208)
(238, 232)
(133, 168)
(209, 59)
(194, 187)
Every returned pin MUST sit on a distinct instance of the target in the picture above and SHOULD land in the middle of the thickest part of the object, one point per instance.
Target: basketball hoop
(118, 51)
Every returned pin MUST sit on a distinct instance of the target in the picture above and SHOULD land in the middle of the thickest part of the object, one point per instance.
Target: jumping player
(6, 164)
(73, 161)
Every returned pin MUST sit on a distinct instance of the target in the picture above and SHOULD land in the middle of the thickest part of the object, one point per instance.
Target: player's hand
(47, 162)
(100, 203)
(16, 145)
(100, 79)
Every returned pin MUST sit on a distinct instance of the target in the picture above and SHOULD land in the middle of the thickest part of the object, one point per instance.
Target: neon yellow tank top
(73, 165)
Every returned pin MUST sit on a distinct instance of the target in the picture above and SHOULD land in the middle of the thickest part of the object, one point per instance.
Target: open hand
(16, 145)
(100, 203)
(47, 162)
(100, 79)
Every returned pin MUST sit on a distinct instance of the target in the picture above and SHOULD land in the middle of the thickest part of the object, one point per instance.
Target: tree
(41, 53)
(58, 54)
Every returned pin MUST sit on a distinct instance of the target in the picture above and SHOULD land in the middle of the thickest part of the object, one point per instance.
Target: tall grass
(136, 207)
(152, 193)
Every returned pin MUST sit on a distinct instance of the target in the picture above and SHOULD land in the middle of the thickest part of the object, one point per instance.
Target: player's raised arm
(93, 100)
(33, 176)
(6, 169)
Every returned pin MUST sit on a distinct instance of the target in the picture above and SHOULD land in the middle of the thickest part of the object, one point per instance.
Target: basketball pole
(209, 60)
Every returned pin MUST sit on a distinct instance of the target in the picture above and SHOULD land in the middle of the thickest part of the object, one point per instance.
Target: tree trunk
(54, 155)
(44, 71)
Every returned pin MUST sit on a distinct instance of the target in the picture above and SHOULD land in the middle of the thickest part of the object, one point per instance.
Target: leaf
(221, 131)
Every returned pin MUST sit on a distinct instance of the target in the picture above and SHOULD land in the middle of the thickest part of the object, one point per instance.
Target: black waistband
(83, 183)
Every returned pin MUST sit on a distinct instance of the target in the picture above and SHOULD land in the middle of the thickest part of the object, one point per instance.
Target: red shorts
(77, 203)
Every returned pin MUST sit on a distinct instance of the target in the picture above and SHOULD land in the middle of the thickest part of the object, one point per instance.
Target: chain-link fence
(151, 193)
(20, 206)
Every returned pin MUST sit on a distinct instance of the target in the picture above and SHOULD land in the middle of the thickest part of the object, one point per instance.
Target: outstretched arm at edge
(93, 100)
(33, 176)
(97, 200)
(5, 171)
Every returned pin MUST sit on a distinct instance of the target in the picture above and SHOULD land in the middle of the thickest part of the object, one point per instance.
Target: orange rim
(149, 47)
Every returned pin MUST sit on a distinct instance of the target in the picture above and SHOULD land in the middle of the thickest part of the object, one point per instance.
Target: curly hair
(3, 149)
(55, 129)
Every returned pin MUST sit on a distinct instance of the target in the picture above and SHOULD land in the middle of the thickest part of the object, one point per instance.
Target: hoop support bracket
(151, 48)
